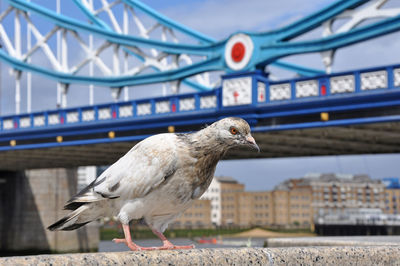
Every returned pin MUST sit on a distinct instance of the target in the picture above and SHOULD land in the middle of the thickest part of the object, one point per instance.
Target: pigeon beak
(252, 142)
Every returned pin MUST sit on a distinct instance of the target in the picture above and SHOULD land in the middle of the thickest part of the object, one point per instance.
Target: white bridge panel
(280, 92)
(208, 102)
(236, 91)
(373, 80)
(342, 84)
(186, 104)
(307, 88)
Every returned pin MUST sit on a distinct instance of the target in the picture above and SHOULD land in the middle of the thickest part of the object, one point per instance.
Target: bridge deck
(372, 138)
(355, 112)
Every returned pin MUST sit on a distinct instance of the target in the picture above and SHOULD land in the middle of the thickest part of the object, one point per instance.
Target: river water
(109, 246)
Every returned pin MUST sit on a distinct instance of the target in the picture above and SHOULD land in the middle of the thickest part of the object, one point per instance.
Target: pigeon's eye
(233, 130)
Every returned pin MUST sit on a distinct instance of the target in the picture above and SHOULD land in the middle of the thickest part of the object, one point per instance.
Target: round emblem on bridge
(238, 51)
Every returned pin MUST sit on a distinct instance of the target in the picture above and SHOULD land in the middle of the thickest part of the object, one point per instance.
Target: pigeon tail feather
(86, 196)
(79, 217)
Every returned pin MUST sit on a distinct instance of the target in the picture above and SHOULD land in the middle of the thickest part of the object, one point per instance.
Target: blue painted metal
(200, 113)
(270, 52)
(73, 24)
(304, 71)
(269, 46)
(121, 81)
(312, 21)
(156, 15)
(391, 182)
(301, 70)
(334, 123)
(168, 22)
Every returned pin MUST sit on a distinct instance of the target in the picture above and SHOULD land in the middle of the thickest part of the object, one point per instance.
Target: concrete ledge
(333, 241)
(366, 255)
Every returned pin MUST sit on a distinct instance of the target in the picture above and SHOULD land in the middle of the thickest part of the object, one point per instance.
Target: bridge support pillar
(30, 201)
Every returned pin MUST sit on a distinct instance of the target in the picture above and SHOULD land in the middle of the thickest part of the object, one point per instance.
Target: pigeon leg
(127, 240)
(166, 243)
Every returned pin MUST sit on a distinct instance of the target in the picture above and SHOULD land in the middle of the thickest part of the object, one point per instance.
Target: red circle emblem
(238, 51)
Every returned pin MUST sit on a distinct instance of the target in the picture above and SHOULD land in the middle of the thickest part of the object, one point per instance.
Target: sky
(219, 19)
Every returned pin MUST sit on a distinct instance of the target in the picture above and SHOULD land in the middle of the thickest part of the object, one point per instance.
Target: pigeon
(157, 180)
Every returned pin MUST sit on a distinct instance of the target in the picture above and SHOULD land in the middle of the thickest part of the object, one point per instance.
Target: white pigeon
(157, 180)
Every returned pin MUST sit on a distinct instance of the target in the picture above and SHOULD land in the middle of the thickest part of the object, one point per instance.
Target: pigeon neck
(208, 141)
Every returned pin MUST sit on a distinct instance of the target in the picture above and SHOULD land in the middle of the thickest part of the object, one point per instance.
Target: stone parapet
(333, 241)
(365, 255)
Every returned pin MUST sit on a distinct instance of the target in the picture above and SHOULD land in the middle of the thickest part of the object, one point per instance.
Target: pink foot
(181, 247)
(130, 245)
(168, 246)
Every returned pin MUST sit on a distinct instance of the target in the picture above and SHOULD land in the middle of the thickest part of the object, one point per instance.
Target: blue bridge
(343, 113)
(317, 113)
(121, 46)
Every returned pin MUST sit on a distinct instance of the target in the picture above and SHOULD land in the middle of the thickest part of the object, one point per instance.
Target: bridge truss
(147, 48)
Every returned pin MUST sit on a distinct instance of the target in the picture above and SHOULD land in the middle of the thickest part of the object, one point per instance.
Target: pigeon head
(234, 131)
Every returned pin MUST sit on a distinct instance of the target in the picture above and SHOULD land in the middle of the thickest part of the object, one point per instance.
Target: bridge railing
(236, 88)
(207, 101)
(249, 90)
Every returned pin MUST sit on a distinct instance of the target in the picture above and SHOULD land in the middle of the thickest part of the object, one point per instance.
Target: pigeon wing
(142, 169)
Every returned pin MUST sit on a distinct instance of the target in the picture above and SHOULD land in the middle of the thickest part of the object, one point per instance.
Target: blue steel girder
(303, 71)
(161, 19)
(122, 39)
(312, 21)
(120, 81)
(338, 93)
(268, 47)
(269, 52)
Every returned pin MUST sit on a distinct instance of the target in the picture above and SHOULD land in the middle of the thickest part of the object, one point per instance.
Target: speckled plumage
(158, 178)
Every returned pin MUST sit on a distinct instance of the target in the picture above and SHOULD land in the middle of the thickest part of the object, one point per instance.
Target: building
(358, 221)
(335, 193)
(392, 200)
(86, 174)
(230, 190)
(213, 194)
(300, 202)
(197, 216)
(220, 201)
(300, 206)
(392, 195)
(320, 194)
(293, 203)
(281, 204)
(255, 208)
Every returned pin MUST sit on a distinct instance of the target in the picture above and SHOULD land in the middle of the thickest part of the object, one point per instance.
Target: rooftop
(311, 178)
(226, 179)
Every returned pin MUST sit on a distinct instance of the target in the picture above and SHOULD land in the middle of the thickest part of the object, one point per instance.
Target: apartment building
(297, 202)
(300, 210)
(392, 201)
(230, 190)
(321, 194)
(197, 216)
(255, 208)
(220, 201)
(213, 194)
(280, 196)
(86, 174)
(392, 195)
